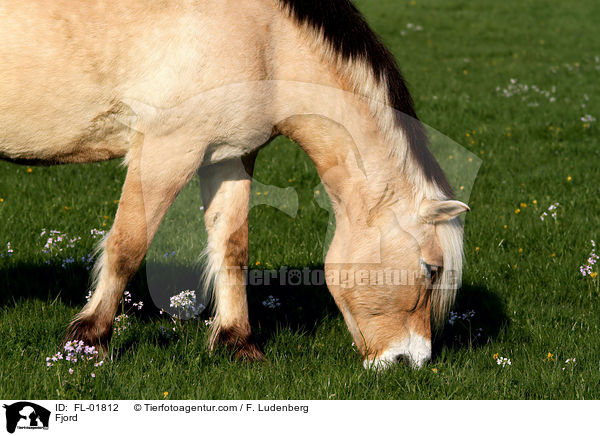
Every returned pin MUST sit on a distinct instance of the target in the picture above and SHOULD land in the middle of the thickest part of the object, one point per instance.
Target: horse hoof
(88, 331)
(249, 353)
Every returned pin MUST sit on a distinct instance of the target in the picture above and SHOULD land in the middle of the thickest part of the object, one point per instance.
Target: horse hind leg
(150, 188)
(225, 191)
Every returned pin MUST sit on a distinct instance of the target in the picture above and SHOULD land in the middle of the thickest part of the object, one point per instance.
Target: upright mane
(341, 34)
(364, 59)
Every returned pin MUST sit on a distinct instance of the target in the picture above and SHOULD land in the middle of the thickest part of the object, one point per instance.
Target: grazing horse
(178, 87)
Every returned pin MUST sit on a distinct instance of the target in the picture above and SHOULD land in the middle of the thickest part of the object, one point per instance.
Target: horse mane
(341, 34)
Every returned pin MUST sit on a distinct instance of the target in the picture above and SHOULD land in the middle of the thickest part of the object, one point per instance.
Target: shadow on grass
(69, 285)
(298, 308)
(479, 313)
(477, 317)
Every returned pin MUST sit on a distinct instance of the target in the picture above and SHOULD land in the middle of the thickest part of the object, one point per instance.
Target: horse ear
(436, 211)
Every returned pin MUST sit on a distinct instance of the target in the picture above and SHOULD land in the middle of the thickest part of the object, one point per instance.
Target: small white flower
(588, 118)
(503, 361)
(187, 304)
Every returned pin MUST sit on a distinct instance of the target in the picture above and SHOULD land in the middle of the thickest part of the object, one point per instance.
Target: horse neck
(353, 162)
(314, 78)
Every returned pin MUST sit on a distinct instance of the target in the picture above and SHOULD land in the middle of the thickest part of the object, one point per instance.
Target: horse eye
(436, 271)
(431, 272)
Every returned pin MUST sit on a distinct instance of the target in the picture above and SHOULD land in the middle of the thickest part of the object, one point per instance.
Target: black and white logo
(26, 415)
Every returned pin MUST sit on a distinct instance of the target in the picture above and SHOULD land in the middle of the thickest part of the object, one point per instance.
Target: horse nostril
(402, 359)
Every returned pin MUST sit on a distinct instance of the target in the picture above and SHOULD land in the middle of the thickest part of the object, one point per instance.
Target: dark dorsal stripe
(346, 30)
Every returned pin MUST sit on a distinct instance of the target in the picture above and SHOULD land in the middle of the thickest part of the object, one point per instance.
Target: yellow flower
(476, 249)
(549, 358)
(434, 370)
(462, 187)
(29, 170)
(515, 266)
(569, 178)
(1, 200)
(257, 263)
(517, 211)
(105, 217)
(508, 134)
(66, 208)
(553, 255)
(495, 356)
(534, 201)
(520, 250)
(523, 205)
(505, 226)
(165, 394)
(593, 275)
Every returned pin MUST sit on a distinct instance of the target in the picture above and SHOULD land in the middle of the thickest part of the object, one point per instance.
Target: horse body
(71, 72)
(183, 86)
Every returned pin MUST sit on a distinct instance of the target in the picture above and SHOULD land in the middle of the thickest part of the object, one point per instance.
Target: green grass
(521, 276)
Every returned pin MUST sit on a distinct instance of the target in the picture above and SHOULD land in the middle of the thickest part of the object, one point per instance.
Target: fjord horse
(184, 86)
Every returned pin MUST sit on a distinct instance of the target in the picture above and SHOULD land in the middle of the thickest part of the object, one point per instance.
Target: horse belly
(56, 101)
(68, 137)
(79, 84)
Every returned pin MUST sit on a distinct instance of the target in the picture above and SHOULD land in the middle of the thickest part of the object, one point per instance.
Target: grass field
(515, 83)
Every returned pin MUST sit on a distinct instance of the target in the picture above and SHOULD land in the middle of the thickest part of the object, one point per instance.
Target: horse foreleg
(225, 192)
(151, 185)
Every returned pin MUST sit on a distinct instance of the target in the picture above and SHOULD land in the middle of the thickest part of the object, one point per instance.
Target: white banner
(298, 417)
